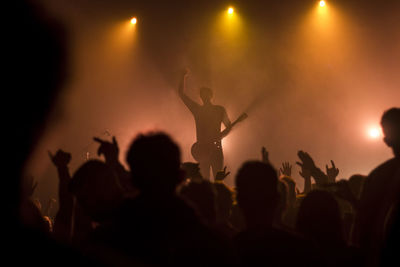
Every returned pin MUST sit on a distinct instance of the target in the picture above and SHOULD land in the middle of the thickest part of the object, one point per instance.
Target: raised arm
(192, 105)
(110, 150)
(62, 221)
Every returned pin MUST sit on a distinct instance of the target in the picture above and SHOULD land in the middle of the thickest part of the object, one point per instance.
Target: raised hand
(221, 175)
(308, 164)
(264, 155)
(61, 158)
(286, 169)
(110, 150)
(332, 172)
(306, 161)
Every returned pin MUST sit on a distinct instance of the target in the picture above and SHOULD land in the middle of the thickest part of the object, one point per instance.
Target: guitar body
(201, 152)
(207, 151)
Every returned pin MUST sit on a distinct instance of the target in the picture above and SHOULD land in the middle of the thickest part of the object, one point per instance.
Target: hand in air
(332, 172)
(221, 175)
(110, 150)
(306, 161)
(264, 155)
(61, 158)
(286, 169)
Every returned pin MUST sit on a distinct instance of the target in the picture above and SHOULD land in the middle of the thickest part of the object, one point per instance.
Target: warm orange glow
(374, 132)
(230, 10)
(321, 3)
(133, 21)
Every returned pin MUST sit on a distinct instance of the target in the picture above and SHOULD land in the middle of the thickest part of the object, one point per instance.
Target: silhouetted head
(390, 123)
(356, 183)
(97, 189)
(206, 94)
(319, 218)
(202, 196)
(257, 192)
(154, 160)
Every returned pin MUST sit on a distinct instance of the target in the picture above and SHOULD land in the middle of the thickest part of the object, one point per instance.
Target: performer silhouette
(208, 118)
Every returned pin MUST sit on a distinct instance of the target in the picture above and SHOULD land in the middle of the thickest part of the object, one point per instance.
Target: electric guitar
(201, 151)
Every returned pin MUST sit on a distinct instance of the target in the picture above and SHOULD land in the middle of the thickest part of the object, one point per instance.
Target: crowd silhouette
(162, 212)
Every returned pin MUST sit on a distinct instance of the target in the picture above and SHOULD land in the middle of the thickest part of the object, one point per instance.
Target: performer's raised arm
(192, 105)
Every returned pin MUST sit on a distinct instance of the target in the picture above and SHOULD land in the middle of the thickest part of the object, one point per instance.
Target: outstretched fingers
(333, 164)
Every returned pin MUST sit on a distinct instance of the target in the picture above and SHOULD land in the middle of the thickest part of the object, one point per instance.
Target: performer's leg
(217, 162)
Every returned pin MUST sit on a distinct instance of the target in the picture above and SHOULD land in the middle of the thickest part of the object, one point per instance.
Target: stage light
(321, 3)
(133, 21)
(230, 10)
(374, 132)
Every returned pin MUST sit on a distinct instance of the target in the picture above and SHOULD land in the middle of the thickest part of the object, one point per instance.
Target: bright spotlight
(133, 21)
(230, 10)
(321, 3)
(374, 132)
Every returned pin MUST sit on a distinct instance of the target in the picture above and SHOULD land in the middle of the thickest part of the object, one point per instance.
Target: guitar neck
(227, 130)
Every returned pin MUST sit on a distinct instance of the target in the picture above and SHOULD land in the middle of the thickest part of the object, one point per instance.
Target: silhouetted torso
(208, 120)
(162, 231)
(275, 247)
(381, 190)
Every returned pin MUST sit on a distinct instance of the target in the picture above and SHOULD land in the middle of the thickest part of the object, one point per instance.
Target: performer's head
(206, 94)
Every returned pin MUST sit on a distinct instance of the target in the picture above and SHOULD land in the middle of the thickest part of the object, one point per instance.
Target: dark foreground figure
(158, 227)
